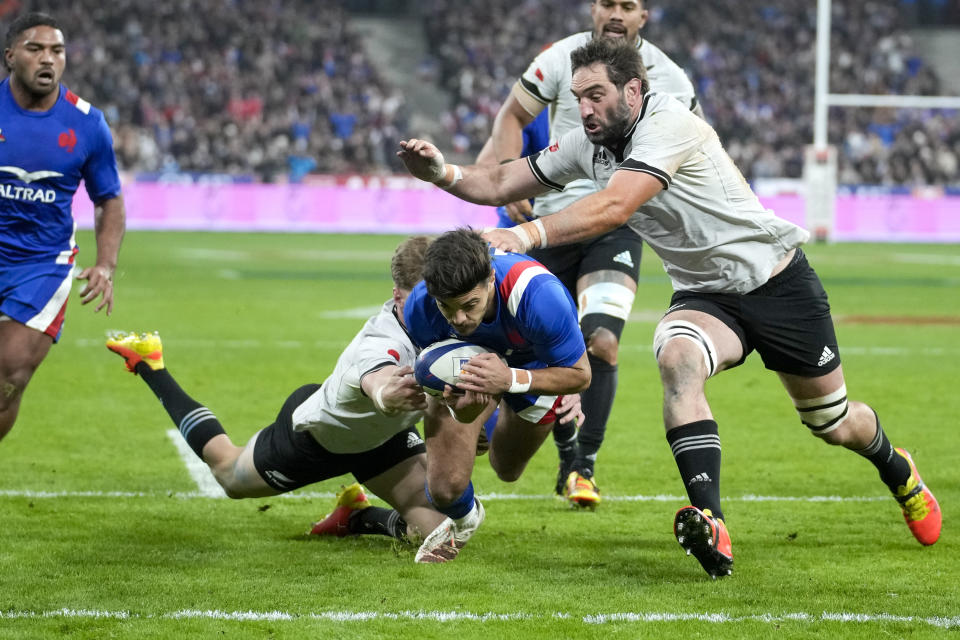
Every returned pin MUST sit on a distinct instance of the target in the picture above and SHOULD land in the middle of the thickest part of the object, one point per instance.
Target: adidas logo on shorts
(624, 257)
(413, 440)
(826, 356)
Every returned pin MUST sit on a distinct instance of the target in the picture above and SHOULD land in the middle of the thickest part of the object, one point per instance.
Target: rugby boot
(337, 523)
(136, 348)
(920, 508)
(581, 491)
(706, 537)
(445, 542)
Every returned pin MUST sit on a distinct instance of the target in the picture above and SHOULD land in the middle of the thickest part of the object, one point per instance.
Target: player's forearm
(586, 218)
(109, 228)
(556, 381)
(488, 184)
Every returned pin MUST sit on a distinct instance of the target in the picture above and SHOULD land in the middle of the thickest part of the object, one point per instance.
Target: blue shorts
(36, 295)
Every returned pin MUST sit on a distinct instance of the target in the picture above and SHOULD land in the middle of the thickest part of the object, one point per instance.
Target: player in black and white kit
(361, 420)
(741, 281)
(601, 273)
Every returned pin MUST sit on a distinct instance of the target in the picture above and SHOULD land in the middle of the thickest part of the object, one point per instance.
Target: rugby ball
(440, 364)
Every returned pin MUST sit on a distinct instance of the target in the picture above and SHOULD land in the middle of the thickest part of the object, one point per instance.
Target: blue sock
(459, 507)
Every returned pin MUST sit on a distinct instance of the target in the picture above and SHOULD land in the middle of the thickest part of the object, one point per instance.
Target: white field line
(185, 344)
(197, 468)
(926, 258)
(311, 495)
(942, 622)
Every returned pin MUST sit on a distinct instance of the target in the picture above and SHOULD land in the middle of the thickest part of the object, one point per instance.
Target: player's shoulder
(385, 322)
(515, 272)
(71, 104)
(559, 50)
(664, 117)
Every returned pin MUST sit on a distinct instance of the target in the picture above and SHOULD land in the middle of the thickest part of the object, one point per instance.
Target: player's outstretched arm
(110, 225)
(588, 217)
(480, 184)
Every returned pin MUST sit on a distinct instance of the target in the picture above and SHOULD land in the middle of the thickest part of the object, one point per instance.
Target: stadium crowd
(284, 88)
(752, 64)
(242, 86)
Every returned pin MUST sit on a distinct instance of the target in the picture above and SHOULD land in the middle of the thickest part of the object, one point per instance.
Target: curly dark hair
(621, 59)
(456, 262)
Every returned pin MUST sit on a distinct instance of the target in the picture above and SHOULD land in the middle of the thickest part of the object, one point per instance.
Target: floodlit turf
(104, 533)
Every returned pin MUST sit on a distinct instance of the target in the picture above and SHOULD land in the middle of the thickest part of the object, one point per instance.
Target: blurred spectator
(279, 88)
(752, 64)
(249, 86)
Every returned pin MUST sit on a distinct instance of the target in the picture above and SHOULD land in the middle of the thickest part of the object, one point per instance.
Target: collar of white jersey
(621, 145)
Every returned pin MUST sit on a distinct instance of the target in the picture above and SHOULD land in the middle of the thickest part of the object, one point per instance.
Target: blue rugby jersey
(43, 157)
(536, 136)
(535, 324)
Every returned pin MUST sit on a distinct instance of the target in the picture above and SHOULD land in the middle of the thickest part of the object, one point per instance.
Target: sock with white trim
(196, 423)
(696, 449)
(894, 470)
(379, 521)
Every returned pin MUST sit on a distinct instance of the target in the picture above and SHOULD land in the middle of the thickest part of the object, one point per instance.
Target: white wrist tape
(457, 176)
(519, 387)
(538, 223)
(524, 237)
(378, 402)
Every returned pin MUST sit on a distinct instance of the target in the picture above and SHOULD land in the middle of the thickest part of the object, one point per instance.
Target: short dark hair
(406, 266)
(28, 21)
(622, 60)
(455, 263)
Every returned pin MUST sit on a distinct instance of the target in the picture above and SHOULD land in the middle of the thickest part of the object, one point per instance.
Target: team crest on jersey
(68, 140)
(555, 146)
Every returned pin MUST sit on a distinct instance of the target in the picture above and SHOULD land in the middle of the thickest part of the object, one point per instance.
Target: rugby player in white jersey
(601, 273)
(361, 421)
(741, 282)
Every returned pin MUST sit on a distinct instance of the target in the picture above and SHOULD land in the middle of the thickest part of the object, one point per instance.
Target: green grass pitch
(103, 532)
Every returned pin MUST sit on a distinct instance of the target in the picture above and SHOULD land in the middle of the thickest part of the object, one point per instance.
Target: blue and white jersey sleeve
(100, 176)
(544, 313)
(548, 317)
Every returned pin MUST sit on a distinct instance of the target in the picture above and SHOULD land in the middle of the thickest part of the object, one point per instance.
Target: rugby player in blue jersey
(50, 140)
(512, 305)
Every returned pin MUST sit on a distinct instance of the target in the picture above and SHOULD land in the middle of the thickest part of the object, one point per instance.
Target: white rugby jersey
(547, 80)
(707, 225)
(339, 415)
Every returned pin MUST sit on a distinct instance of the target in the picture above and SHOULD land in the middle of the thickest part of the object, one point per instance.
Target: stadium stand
(262, 88)
(276, 90)
(752, 63)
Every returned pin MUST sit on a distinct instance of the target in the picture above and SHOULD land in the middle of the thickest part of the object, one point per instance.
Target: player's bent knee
(672, 359)
(506, 473)
(825, 415)
(443, 493)
(603, 344)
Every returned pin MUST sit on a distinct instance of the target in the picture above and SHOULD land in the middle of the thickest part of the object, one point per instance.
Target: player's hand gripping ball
(440, 364)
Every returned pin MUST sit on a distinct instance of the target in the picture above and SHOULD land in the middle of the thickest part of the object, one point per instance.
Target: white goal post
(820, 159)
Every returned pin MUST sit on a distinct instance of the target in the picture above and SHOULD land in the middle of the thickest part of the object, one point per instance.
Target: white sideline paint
(198, 470)
(365, 312)
(942, 622)
(924, 258)
(310, 495)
